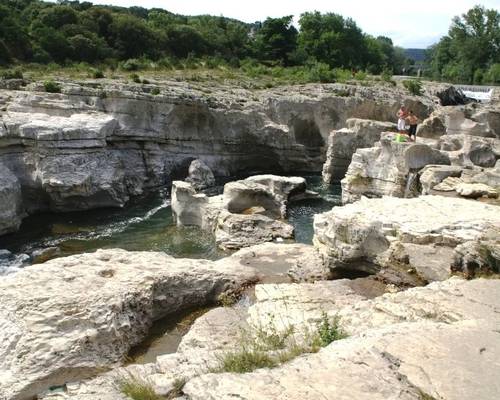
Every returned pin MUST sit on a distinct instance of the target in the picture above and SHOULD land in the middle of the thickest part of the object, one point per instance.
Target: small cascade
(411, 184)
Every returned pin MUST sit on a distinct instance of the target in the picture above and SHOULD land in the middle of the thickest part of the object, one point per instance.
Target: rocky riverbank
(99, 143)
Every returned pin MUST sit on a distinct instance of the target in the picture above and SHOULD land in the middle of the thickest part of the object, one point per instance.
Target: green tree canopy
(471, 47)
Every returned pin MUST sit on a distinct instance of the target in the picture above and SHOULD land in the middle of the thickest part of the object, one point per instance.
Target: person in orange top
(413, 122)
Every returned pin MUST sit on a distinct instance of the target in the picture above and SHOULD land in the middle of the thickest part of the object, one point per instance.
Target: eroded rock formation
(420, 233)
(249, 212)
(78, 316)
(96, 145)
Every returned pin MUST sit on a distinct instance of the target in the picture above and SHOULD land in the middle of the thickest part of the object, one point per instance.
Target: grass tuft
(137, 389)
(267, 347)
(246, 360)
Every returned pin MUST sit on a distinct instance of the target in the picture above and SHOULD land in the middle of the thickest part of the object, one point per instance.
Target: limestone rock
(98, 145)
(11, 211)
(432, 127)
(479, 256)
(248, 212)
(452, 96)
(241, 195)
(466, 150)
(200, 175)
(384, 170)
(448, 184)
(234, 231)
(61, 333)
(343, 143)
(475, 190)
(278, 261)
(192, 208)
(488, 176)
(380, 358)
(432, 175)
(370, 228)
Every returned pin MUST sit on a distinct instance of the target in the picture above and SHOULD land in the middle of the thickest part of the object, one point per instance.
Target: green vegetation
(470, 52)
(136, 388)
(329, 330)
(267, 347)
(12, 74)
(414, 86)
(246, 360)
(133, 39)
(52, 87)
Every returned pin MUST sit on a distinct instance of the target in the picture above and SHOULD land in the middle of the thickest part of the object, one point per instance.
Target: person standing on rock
(413, 122)
(402, 115)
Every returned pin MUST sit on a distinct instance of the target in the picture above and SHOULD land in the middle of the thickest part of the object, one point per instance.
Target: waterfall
(411, 182)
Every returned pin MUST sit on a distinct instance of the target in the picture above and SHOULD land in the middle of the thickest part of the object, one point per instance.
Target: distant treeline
(34, 31)
(470, 53)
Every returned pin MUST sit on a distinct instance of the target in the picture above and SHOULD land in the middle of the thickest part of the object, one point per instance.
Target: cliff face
(97, 144)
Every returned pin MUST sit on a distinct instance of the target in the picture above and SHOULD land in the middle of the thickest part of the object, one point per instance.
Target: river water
(145, 224)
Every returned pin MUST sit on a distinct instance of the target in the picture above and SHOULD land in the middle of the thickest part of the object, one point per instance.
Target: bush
(360, 76)
(493, 74)
(135, 78)
(342, 75)
(321, 72)
(145, 82)
(52, 87)
(386, 75)
(98, 74)
(136, 389)
(12, 74)
(131, 65)
(414, 86)
(155, 91)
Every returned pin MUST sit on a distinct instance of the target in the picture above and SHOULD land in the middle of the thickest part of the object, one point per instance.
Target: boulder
(448, 184)
(384, 170)
(11, 203)
(452, 96)
(247, 213)
(432, 175)
(379, 230)
(242, 195)
(190, 208)
(343, 143)
(475, 190)
(479, 256)
(234, 231)
(200, 175)
(432, 127)
(60, 333)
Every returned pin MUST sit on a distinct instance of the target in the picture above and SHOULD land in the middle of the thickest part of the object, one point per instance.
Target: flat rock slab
(401, 347)
(73, 317)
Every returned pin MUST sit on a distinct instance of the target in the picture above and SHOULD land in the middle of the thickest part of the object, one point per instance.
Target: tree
(472, 44)
(276, 40)
(132, 37)
(332, 39)
(14, 40)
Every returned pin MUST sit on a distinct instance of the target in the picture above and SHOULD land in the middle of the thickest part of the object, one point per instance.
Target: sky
(410, 24)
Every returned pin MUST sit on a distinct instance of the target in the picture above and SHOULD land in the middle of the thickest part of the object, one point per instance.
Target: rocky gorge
(417, 236)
